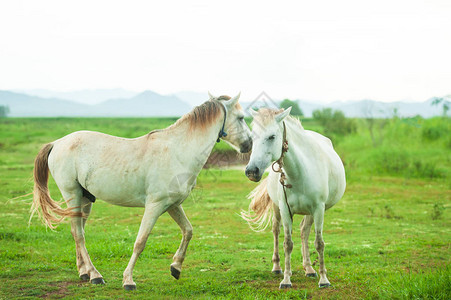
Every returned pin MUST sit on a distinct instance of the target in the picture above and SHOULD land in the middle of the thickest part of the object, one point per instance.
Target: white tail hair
(260, 209)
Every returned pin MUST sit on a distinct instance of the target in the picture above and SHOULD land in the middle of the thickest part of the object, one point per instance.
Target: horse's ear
(211, 96)
(252, 112)
(279, 117)
(232, 102)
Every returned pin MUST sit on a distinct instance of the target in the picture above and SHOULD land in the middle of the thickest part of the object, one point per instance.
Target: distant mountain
(21, 105)
(146, 104)
(375, 109)
(82, 96)
(151, 104)
(308, 107)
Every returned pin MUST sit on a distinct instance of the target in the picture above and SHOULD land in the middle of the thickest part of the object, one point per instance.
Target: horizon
(36, 92)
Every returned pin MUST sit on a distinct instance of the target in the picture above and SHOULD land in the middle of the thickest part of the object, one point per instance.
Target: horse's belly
(128, 202)
(117, 189)
(118, 195)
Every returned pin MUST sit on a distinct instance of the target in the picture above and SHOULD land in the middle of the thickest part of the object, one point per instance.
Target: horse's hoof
(324, 285)
(285, 286)
(175, 273)
(97, 281)
(130, 287)
(277, 272)
(84, 277)
(312, 275)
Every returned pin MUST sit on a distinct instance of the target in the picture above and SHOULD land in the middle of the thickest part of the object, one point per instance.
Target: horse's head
(267, 135)
(238, 133)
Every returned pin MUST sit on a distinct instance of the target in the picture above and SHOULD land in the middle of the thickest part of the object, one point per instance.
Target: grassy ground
(388, 237)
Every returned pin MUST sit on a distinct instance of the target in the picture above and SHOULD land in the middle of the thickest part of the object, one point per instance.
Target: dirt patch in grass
(62, 289)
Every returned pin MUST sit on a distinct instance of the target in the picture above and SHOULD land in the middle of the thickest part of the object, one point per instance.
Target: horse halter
(279, 170)
(222, 133)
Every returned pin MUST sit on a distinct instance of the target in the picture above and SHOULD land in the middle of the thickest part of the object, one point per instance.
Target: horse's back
(90, 148)
(325, 141)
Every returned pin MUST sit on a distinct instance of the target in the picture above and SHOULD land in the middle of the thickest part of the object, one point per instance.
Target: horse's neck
(295, 159)
(193, 147)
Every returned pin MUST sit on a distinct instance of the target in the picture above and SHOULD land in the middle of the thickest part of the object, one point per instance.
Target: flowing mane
(204, 115)
(267, 115)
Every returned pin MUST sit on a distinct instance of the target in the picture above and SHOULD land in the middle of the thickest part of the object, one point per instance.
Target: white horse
(317, 178)
(156, 171)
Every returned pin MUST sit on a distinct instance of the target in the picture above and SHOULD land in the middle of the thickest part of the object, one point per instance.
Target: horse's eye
(240, 118)
(272, 137)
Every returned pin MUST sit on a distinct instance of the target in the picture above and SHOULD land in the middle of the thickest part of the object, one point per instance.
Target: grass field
(389, 237)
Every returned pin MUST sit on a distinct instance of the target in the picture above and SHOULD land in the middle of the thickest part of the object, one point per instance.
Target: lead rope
(280, 170)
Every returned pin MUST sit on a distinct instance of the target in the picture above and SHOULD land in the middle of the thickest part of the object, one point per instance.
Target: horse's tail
(41, 195)
(259, 214)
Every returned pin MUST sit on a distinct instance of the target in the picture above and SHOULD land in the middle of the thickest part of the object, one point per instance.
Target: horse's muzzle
(246, 146)
(253, 174)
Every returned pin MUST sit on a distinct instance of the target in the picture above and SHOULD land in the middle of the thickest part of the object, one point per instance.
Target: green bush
(334, 122)
(437, 212)
(425, 170)
(4, 111)
(391, 161)
(295, 109)
(434, 130)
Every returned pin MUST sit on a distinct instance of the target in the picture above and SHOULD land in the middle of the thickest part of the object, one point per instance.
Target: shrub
(391, 161)
(4, 111)
(436, 128)
(334, 122)
(424, 170)
(437, 211)
(295, 109)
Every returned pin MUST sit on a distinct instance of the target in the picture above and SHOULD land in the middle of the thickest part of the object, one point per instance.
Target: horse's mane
(204, 115)
(267, 115)
(295, 121)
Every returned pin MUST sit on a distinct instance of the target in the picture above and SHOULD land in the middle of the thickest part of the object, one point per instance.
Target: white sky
(385, 50)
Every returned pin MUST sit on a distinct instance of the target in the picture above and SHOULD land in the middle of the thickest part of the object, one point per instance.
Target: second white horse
(315, 180)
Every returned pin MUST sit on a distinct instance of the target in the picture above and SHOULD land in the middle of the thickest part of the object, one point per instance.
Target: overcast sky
(385, 50)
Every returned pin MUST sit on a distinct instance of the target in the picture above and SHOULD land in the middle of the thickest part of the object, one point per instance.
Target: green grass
(389, 237)
(409, 148)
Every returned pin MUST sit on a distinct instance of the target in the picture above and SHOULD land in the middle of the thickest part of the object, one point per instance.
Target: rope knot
(284, 146)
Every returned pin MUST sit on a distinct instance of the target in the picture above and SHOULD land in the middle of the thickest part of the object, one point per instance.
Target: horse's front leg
(306, 226)
(179, 216)
(276, 269)
(287, 246)
(319, 245)
(151, 214)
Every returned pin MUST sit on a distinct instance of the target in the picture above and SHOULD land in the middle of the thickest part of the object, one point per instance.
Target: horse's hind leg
(276, 231)
(180, 218)
(86, 269)
(319, 245)
(81, 265)
(306, 226)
